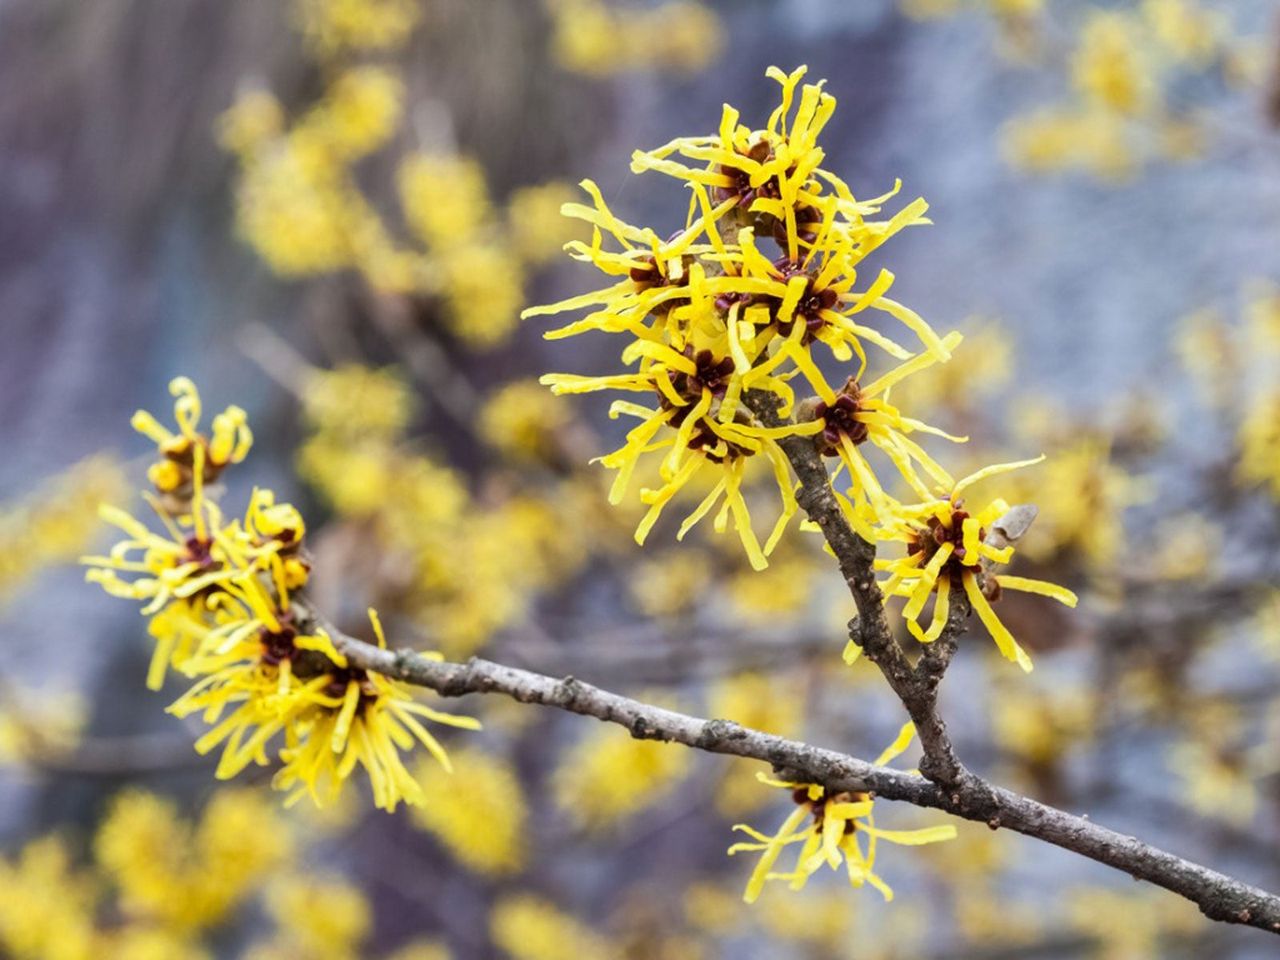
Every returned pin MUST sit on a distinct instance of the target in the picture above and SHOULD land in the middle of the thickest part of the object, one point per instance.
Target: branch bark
(945, 784)
(1218, 896)
(916, 686)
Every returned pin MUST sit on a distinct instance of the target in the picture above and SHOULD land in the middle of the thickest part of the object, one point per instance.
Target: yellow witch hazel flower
(836, 824)
(226, 612)
(188, 458)
(947, 550)
(710, 316)
(857, 414)
(366, 719)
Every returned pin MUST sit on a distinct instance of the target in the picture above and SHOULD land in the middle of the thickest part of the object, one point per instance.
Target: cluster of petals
(712, 316)
(222, 601)
(711, 313)
(829, 828)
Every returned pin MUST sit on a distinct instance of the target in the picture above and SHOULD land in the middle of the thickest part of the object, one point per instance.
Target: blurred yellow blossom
(355, 401)
(294, 208)
(669, 583)
(1215, 771)
(1052, 139)
(527, 927)
(150, 943)
(1127, 926)
(185, 876)
(1185, 29)
(38, 723)
(1108, 66)
(522, 420)
(593, 37)
(478, 812)
(1262, 317)
(445, 198)
(1266, 624)
(770, 703)
(538, 231)
(608, 777)
(422, 949)
(59, 522)
(1259, 439)
(783, 590)
(46, 912)
(1208, 351)
(483, 288)
(819, 918)
(332, 26)
(1186, 547)
(357, 115)
(1038, 725)
(255, 118)
(318, 917)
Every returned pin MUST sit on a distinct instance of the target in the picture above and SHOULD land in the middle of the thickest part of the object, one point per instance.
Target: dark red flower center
(840, 420)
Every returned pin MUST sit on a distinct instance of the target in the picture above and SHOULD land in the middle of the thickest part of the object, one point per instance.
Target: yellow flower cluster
(1260, 444)
(478, 813)
(947, 549)
(528, 927)
(1120, 113)
(224, 607)
(464, 568)
(35, 726)
(1233, 365)
(317, 918)
(47, 910)
(189, 877)
(336, 26)
(297, 203)
(171, 881)
(300, 205)
(711, 320)
(830, 829)
(710, 316)
(609, 777)
(673, 36)
(58, 524)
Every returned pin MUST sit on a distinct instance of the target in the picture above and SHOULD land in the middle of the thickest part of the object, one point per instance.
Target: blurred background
(331, 213)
